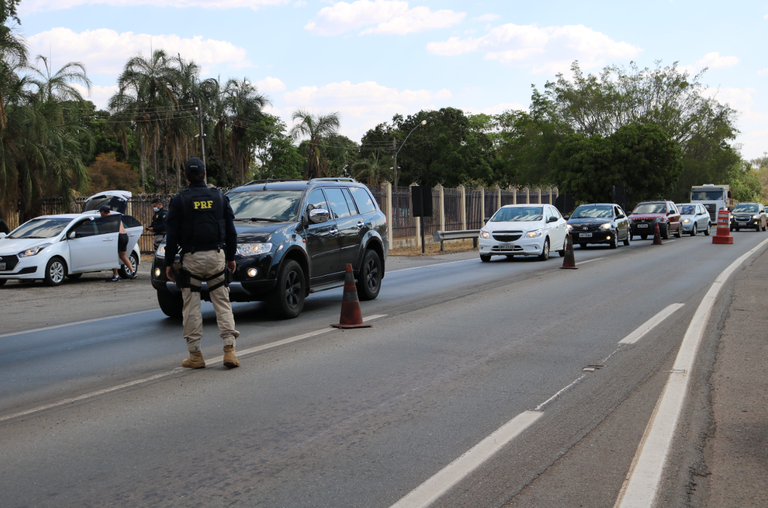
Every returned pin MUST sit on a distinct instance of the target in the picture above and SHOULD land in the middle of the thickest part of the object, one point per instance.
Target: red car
(645, 216)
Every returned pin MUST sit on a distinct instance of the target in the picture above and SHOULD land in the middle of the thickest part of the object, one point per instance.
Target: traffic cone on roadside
(723, 234)
(569, 261)
(351, 316)
(657, 236)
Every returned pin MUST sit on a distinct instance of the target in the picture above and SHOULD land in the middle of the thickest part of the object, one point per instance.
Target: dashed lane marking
(649, 325)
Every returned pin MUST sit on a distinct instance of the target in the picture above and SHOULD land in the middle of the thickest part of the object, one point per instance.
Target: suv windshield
(650, 208)
(519, 213)
(687, 210)
(745, 208)
(269, 205)
(593, 212)
(40, 228)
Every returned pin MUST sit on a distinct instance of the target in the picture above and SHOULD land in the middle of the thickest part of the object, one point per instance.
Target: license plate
(506, 246)
(741, 223)
(585, 235)
(2, 266)
(642, 225)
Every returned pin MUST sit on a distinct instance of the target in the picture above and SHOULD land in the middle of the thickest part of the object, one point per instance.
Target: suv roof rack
(271, 180)
(334, 179)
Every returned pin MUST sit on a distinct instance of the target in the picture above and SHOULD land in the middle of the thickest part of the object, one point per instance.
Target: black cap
(194, 167)
(104, 208)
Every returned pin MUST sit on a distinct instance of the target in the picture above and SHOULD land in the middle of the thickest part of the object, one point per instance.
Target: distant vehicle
(647, 215)
(296, 237)
(695, 218)
(749, 215)
(599, 223)
(523, 230)
(52, 247)
(713, 197)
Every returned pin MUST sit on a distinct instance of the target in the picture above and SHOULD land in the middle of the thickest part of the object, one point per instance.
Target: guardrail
(442, 236)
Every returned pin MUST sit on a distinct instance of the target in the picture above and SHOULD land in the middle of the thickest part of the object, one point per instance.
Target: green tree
(108, 173)
(316, 128)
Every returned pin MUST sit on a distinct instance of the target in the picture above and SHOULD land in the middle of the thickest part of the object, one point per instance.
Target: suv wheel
(171, 305)
(369, 277)
(288, 298)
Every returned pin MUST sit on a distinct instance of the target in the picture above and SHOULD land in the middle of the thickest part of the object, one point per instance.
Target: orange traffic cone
(723, 235)
(569, 261)
(351, 316)
(657, 236)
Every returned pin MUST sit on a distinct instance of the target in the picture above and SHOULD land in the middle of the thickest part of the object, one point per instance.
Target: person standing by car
(122, 245)
(201, 223)
(158, 225)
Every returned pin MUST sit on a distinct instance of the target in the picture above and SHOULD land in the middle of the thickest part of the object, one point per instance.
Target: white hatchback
(50, 247)
(523, 230)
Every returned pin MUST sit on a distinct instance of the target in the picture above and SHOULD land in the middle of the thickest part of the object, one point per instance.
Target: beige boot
(195, 361)
(230, 360)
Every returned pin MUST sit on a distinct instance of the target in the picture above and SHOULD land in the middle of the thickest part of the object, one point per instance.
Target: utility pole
(202, 136)
(394, 163)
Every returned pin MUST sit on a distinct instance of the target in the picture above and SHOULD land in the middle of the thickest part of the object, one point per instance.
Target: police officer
(201, 224)
(158, 225)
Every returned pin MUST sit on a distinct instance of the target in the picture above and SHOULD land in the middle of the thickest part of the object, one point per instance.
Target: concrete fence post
(482, 206)
(441, 204)
(463, 207)
(415, 221)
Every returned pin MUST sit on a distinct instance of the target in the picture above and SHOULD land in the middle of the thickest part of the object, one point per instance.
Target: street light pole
(394, 164)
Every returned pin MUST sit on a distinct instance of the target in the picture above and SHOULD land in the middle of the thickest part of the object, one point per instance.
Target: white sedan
(50, 247)
(523, 230)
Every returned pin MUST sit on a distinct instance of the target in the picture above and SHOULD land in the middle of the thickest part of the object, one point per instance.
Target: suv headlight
(533, 234)
(33, 251)
(570, 228)
(253, 249)
(607, 225)
(485, 234)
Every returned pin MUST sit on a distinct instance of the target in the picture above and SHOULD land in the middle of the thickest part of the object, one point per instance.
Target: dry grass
(432, 249)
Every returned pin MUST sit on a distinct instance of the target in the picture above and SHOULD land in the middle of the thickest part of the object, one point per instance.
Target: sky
(371, 59)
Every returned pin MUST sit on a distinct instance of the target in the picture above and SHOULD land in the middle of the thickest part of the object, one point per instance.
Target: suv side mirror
(319, 215)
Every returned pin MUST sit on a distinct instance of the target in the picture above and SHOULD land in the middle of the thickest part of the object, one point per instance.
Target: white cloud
(715, 61)
(106, 51)
(269, 85)
(498, 108)
(546, 50)
(763, 72)
(487, 17)
(386, 16)
(32, 6)
(99, 95)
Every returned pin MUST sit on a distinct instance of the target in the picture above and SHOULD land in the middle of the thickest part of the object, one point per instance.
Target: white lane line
(642, 484)
(589, 261)
(429, 491)
(649, 325)
(541, 406)
(177, 370)
(76, 323)
(435, 264)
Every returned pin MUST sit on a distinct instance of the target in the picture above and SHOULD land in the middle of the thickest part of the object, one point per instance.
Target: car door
(703, 218)
(134, 229)
(348, 236)
(673, 215)
(622, 223)
(89, 248)
(322, 245)
(557, 228)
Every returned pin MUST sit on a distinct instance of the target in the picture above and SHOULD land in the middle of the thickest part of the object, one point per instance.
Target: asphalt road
(94, 411)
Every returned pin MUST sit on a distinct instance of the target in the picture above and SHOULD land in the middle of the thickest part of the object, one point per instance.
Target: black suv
(295, 237)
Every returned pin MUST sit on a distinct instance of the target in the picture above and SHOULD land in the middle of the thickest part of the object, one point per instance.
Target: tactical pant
(203, 265)
(158, 239)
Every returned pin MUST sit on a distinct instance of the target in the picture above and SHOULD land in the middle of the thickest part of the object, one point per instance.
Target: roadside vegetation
(656, 131)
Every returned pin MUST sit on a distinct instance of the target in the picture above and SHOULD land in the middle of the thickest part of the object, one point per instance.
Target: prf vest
(203, 227)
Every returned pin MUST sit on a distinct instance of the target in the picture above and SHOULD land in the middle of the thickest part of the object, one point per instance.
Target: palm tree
(372, 169)
(244, 105)
(315, 127)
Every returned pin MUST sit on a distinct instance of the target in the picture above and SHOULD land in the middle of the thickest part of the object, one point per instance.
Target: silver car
(695, 218)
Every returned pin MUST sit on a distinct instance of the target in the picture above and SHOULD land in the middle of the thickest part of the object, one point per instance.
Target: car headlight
(160, 251)
(607, 225)
(485, 234)
(755, 216)
(33, 251)
(253, 249)
(686, 221)
(570, 228)
(534, 234)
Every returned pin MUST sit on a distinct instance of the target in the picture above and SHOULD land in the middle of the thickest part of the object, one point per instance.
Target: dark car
(295, 237)
(749, 215)
(599, 223)
(648, 214)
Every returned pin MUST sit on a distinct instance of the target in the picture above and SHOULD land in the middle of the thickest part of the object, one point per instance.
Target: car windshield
(519, 213)
(40, 228)
(687, 210)
(267, 205)
(592, 212)
(707, 195)
(650, 208)
(745, 208)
